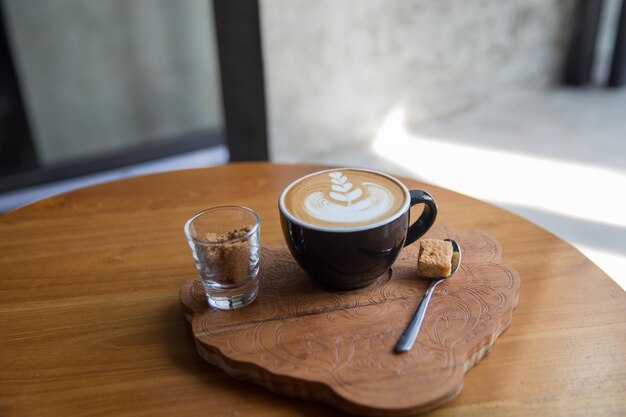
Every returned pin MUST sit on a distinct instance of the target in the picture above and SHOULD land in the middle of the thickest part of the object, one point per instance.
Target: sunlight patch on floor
(588, 193)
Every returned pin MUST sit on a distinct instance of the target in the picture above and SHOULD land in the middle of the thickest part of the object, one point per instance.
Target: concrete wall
(336, 68)
(100, 75)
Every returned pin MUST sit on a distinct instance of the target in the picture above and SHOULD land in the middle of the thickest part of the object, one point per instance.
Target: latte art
(348, 204)
(344, 198)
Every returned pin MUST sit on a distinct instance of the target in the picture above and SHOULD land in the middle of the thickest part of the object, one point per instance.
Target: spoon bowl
(407, 339)
(456, 257)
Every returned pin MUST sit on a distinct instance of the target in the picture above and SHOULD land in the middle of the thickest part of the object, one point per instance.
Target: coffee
(344, 198)
(346, 227)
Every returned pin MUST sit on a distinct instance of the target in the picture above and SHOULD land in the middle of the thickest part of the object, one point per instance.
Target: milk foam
(347, 203)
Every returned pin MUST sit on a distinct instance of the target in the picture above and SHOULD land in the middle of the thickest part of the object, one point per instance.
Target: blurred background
(518, 103)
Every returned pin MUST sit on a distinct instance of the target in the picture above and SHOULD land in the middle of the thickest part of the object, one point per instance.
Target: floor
(197, 159)
(556, 158)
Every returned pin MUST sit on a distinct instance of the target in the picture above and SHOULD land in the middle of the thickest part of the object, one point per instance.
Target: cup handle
(426, 219)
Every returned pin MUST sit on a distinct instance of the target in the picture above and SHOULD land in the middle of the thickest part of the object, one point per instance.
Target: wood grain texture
(90, 320)
(337, 347)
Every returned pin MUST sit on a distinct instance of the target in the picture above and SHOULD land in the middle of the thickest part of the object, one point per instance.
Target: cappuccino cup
(346, 226)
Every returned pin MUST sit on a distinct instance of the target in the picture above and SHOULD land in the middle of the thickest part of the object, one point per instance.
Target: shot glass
(224, 242)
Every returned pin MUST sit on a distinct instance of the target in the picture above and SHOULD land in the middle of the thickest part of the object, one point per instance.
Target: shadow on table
(183, 353)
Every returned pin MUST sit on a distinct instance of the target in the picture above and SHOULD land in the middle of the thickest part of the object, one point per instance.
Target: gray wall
(100, 75)
(336, 68)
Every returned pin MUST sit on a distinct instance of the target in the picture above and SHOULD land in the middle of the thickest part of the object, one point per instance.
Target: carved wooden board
(337, 347)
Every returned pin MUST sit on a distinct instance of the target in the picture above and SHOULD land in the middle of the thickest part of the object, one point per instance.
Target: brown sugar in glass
(224, 242)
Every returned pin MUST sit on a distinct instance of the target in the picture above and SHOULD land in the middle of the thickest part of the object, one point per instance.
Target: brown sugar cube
(435, 258)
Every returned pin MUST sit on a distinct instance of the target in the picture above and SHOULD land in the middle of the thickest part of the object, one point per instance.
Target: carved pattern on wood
(336, 347)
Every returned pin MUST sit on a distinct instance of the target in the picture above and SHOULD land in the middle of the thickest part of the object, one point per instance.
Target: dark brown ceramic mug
(346, 226)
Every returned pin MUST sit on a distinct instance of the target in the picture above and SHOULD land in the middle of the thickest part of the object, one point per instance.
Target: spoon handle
(406, 341)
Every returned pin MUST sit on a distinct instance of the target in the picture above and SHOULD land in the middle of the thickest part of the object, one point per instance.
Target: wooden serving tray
(337, 347)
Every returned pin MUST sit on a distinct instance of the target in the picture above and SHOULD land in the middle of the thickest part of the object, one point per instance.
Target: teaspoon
(406, 341)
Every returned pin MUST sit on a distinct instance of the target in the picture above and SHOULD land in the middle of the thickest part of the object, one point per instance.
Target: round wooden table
(90, 321)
